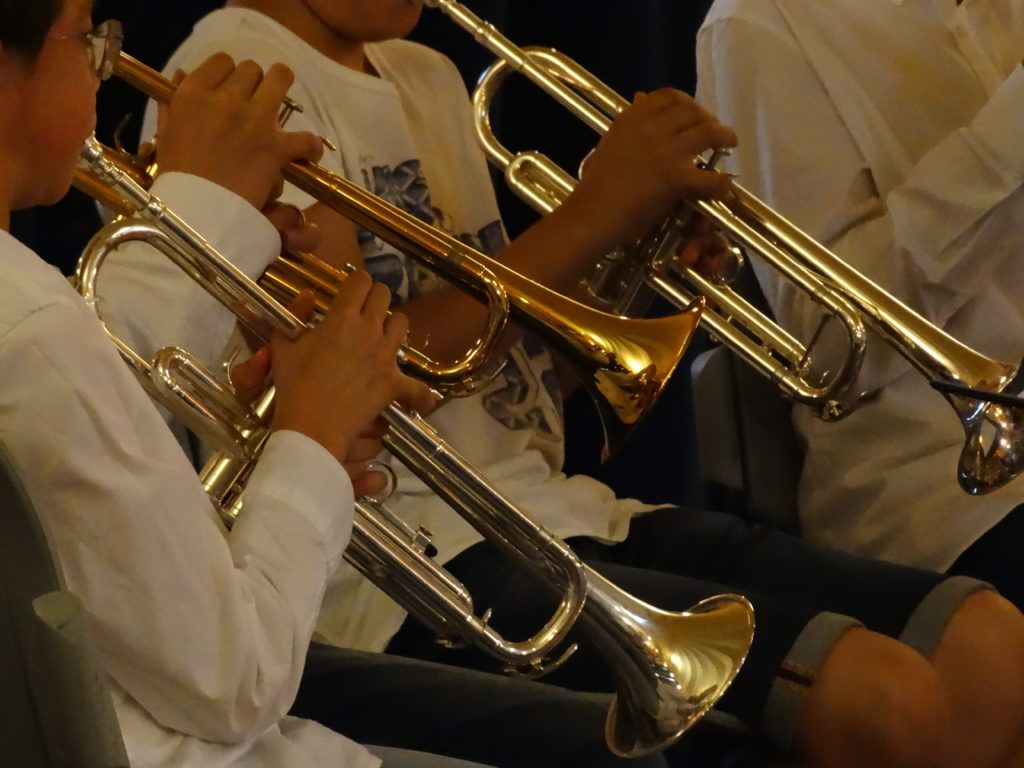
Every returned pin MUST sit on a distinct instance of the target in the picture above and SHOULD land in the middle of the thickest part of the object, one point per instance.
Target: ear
(10, 62)
(7, 71)
(14, 67)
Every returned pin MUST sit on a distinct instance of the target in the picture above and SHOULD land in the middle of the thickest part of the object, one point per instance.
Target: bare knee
(980, 661)
(875, 702)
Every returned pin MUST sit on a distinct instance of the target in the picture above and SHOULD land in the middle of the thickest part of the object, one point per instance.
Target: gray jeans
(487, 718)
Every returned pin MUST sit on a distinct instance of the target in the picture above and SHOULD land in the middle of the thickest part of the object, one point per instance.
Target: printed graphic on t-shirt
(515, 399)
(516, 396)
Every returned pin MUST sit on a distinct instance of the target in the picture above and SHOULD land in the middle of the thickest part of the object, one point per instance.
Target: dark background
(640, 45)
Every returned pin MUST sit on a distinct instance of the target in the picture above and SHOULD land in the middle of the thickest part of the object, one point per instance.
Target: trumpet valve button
(421, 542)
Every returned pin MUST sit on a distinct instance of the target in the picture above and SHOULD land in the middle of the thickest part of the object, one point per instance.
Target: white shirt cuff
(292, 195)
(227, 221)
(299, 472)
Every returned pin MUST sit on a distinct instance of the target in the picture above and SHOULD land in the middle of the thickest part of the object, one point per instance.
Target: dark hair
(24, 23)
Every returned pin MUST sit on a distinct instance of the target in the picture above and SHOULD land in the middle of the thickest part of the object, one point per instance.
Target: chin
(41, 196)
(61, 185)
(56, 194)
(405, 18)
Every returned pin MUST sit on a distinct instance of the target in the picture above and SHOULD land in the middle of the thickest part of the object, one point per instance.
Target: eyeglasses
(104, 46)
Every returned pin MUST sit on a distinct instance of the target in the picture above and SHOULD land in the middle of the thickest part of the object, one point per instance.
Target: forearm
(952, 214)
(557, 252)
(221, 647)
(937, 230)
(207, 635)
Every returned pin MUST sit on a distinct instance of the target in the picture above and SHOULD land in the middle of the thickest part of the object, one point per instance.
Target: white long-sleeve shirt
(891, 130)
(203, 632)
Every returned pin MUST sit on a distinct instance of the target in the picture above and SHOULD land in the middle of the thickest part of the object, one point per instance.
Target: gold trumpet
(624, 363)
(292, 273)
(671, 667)
(844, 294)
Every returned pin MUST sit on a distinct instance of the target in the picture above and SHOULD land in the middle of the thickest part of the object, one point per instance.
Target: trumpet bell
(994, 430)
(670, 668)
(641, 357)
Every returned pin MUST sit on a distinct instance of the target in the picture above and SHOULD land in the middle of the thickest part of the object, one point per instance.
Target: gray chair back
(748, 453)
(55, 706)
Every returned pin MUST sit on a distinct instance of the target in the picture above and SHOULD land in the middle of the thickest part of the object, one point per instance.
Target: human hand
(644, 166)
(707, 250)
(249, 378)
(298, 235)
(222, 125)
(366, 481)
(335, 379)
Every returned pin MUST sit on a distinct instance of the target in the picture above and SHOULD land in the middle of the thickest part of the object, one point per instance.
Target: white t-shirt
(203, 632)
(407, 136)
(891, 131)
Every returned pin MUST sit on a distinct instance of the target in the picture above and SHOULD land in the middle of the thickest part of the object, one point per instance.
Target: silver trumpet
(993, 452)
(671, 667)
(209, 407)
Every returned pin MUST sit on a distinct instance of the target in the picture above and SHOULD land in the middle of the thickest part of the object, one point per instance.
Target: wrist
(334, 441)
(583, 229)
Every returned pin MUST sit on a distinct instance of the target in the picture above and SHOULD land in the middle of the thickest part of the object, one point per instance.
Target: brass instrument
(209, 407)
(672, 667)
(291, 273)
(993, 452)
(623, 363)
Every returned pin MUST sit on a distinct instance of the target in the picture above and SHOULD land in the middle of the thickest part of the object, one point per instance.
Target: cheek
(64, 103)
(74, 114)
(60, 121)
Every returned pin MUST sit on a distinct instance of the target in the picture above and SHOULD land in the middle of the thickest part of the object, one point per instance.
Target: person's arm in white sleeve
(150, 302)
(933, 241)
(950, 213)
(206, 630)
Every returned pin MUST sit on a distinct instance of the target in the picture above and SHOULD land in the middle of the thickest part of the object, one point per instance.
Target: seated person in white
(203, 633)
(814, 681)
(891, 132)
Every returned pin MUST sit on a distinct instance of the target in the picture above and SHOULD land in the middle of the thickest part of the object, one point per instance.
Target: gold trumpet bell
(642, 355)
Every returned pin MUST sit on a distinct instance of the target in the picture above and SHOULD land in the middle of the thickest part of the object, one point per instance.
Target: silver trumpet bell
(670, 668)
